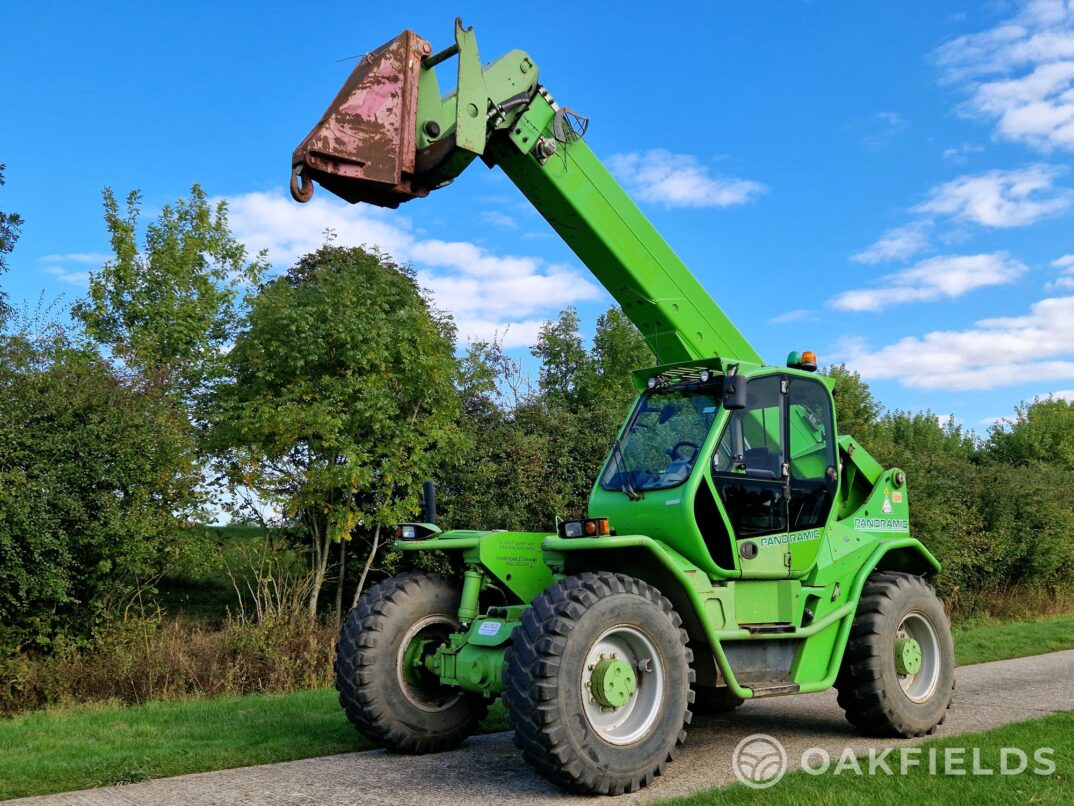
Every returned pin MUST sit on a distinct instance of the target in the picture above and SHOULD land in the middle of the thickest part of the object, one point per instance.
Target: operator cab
(770, 470)
(662, 442)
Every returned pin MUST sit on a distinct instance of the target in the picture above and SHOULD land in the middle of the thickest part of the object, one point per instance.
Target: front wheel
(383, 684)
(898, 672)
(598, 683)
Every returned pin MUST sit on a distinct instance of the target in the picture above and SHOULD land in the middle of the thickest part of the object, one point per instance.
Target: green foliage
(10, 225)
(529, 455)
(342, 395)
(856, 410)
(96, 473)
(169, 306)
(1042, 431)
(992, 525)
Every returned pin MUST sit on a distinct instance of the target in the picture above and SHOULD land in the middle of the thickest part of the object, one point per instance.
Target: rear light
(590, 527)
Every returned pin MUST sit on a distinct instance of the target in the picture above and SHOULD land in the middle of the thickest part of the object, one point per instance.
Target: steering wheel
(674, 452)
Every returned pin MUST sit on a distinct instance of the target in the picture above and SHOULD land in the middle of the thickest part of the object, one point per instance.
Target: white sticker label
(708, 409)
(489, 627)
(672, 502)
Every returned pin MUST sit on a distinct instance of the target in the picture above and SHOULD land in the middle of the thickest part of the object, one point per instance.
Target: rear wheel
(384, 687)
(598, 683)
(898, 672)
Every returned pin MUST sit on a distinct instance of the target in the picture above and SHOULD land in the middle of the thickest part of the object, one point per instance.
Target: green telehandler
(735, 546)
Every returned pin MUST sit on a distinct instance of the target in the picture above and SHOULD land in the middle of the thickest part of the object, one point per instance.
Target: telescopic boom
(389, 137)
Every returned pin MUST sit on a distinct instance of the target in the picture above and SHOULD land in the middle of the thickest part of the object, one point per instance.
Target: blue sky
(888, 184)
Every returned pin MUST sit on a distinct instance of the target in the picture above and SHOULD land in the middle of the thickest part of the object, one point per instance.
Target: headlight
(590, 527)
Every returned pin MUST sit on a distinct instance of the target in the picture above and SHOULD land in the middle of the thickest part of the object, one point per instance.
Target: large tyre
(386, 692)
(898, 672)
(598, 683)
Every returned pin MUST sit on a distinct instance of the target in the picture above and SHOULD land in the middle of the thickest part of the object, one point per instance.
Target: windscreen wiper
(626, 486)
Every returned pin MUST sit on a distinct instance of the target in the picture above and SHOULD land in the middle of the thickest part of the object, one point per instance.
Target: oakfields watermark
(760, 761)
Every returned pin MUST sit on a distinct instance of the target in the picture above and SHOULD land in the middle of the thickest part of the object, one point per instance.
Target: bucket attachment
(363, 148)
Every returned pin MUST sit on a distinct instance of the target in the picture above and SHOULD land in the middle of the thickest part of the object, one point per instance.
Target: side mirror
(734, 392)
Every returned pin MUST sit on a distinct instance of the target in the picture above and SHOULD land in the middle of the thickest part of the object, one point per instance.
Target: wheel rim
(421, 688)
(622, 666)
(917, 647)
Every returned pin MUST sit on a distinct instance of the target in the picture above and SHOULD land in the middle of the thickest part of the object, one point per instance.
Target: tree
(855, 407)
(529, 457)
(10, 227)
(96, 474)
(341, 400)
(169, 307)
(1042, 431)
(564, 360)
(618, 349)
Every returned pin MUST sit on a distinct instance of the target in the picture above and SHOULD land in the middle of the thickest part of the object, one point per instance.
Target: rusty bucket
(363, 147)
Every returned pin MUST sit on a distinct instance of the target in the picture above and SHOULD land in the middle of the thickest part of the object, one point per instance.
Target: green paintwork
(800, 586)
(612, 682)
(593, 214)
(414, 660)
(511, 559)
(907, 656)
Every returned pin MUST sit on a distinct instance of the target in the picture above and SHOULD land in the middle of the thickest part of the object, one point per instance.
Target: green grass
(986, 641)
(54, 751)
(918, 786)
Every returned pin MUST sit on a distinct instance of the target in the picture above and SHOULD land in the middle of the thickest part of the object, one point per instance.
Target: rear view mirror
(734, 392)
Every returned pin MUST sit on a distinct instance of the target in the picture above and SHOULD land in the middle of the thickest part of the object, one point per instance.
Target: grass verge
(63, 749)
(983, 641)
(918, 786)
(56, 751)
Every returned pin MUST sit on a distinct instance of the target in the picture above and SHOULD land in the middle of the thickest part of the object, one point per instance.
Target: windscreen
(664, 439)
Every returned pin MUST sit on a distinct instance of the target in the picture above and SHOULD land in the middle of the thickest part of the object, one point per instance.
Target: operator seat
(763, 460)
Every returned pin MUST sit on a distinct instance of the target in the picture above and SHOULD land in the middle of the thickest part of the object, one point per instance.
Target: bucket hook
(301, 185)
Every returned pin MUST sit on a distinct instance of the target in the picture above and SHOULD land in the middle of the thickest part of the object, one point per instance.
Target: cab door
(750, 474)
(813, 477)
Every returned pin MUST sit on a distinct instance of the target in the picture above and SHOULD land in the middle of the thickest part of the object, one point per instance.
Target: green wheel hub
(612, 682)
(907, 656)
(414, 660)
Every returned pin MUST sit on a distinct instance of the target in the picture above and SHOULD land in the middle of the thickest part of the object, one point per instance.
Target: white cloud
(271, 221)
(487, 294)
(498, 219)
(890, 124)
(1020, 74)
(65, 276)
(1065, 280)
(797, 315)
(1063, 394)
(1014, 198)
(959, 153)
(944, 277)
(898, 243)
(1038, 346)
(77, 257)
(679, 180)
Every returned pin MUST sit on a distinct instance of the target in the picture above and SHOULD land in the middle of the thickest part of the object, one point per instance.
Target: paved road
(488, 769)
